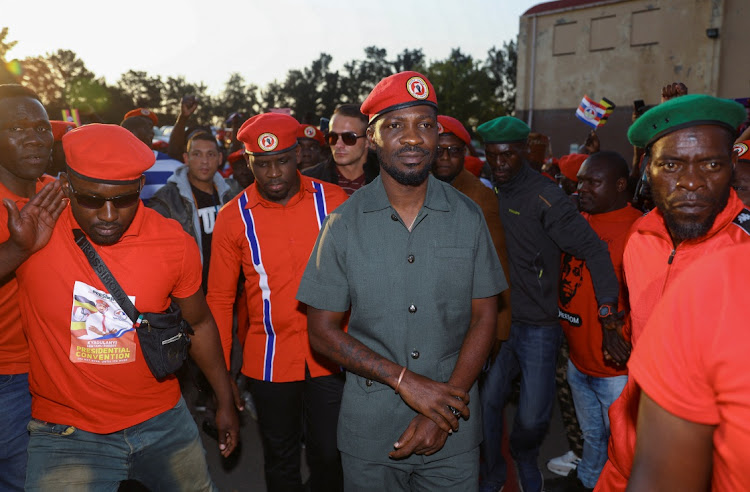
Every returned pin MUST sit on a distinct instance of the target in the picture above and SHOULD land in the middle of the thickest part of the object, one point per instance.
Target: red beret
(142, 112)
(309, 131)
(742, 149)
(268, 134)
(60, 128)
(399, 91)
(570, 164)
(447, 124)
(473, 164)
(236, 156)
(106, 153)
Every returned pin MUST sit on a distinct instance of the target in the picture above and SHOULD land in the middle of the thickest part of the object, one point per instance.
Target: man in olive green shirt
(414, 261)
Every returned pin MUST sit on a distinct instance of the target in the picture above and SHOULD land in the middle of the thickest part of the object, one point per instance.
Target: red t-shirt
(651, 264)
(692, 358)
(272, 244)
(350, 185)
(87, 369)
(578, 305)
(14, 351)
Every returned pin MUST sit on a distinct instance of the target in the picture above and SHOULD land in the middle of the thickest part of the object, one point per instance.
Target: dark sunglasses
(452, 151)
(97, 202)
(349, 138)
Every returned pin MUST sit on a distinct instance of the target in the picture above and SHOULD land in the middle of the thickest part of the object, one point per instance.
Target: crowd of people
(374, 289)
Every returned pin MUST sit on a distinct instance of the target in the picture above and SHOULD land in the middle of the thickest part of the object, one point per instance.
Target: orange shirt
(14, 351)
(87, 369)
(272, 244)
(578, 306)
(692, 358)
(651, 264)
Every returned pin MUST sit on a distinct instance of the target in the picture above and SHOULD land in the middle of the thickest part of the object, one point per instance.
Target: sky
(208, 40)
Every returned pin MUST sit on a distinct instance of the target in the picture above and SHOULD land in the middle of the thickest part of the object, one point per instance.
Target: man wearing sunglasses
(453, 143)
(25, 146)
(351, 165)
(130, 425)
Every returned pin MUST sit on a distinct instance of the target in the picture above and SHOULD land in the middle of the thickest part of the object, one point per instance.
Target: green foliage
(470, 90)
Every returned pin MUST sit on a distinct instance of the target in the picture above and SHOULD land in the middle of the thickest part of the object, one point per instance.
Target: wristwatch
(607, 311)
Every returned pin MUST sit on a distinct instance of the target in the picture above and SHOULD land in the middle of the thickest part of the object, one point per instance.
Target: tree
(237, 96)
(360, 76)
(6, 75)
(465, 91)
(501, 65)
(412, 60)
(144, 91)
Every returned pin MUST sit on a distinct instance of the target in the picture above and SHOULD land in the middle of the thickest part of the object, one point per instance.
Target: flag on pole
(72, 116)
(610, 107)
(590, 112)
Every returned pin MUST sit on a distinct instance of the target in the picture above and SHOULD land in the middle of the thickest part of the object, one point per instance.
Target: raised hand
(31, 228)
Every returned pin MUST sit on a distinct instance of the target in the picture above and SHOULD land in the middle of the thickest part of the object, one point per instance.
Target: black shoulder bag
(164, 337)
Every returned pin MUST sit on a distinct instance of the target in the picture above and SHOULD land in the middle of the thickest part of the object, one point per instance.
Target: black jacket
(326, 170)
(540, 221)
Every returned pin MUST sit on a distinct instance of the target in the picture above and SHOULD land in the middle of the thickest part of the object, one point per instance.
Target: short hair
(615, 162)
(351, 111)
(202, 136)
(17, 90)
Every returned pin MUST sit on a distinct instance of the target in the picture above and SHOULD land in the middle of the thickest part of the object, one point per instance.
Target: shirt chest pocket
(454, 269)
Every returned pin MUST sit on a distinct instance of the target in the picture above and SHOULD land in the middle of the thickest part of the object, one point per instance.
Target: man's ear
(621, 184)
(65, 184)
(297, 153)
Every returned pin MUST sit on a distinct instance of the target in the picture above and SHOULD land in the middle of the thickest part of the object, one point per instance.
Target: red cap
(142, 112)
(60, 128)
(570, 164)
(399, 91)
(106, 153)
(309, 131)
(473, 164)
(268, 134)
(448, 124)
(236, 156)
(742, 149)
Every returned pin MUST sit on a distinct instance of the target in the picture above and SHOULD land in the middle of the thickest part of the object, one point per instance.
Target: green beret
(683, 112)
(504, 129)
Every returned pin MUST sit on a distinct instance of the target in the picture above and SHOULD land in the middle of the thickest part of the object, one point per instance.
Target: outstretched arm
(30, 228)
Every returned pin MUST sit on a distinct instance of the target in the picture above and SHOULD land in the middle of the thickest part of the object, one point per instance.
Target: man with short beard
(690, 163)
(412, 259)
(449, 167)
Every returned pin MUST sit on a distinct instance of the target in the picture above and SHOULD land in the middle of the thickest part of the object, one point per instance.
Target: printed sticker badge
(417, 87)
(100, 331)
(268, 141)
(310, 131)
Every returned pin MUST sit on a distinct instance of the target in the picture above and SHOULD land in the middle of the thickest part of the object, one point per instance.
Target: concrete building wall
(625, 50)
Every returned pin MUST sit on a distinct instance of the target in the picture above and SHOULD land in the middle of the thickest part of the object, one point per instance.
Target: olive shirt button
(368, 382)
(394, 218)
(410, 258)
(415, 354)
(412, 309)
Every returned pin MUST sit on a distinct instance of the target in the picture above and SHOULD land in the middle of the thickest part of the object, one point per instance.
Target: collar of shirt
(377, 199)
(254, 198)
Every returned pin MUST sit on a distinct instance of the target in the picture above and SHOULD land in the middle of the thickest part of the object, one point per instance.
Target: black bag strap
(106, 276)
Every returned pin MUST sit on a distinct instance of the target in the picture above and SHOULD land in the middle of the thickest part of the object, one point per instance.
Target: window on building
(645, 27)
(603, 33)
(565, 39)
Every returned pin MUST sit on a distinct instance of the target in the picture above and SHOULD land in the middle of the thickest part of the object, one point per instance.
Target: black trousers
(286, 413)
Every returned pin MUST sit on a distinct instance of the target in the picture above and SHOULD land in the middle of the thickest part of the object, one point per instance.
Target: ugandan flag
(78, 328)
(609, 109)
